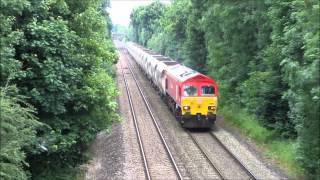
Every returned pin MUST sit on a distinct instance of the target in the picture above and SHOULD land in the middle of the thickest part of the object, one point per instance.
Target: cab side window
(166, 83)
(190, 90)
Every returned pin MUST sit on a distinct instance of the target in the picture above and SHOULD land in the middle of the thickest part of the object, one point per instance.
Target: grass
(283, 151)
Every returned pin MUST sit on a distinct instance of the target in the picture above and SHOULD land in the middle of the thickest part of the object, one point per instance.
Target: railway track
(146, 167)
(206, 154)
(141, 146)
(214, 164)
(250, 174)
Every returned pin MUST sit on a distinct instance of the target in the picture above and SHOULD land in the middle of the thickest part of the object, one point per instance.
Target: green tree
(301, 50)
(59, 55)
(18, 133)
(195, 44)
(170, 35)
(144, 21)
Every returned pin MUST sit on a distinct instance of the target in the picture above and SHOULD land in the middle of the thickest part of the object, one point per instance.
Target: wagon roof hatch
(150, 52)
(170, 63)
(163, 58)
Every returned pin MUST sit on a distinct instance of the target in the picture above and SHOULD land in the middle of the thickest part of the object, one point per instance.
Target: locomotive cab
(193, 97)
(198, 103)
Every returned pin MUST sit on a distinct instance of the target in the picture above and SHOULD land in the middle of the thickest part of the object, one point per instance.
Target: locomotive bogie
(198, 121)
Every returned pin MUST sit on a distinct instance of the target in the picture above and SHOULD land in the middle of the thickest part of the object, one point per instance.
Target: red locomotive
(192, 96)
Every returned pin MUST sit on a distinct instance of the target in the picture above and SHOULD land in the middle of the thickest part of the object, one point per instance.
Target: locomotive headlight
(212, 108)
(186, 107)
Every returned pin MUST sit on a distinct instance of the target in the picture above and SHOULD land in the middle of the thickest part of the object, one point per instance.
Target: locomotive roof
(182, 73)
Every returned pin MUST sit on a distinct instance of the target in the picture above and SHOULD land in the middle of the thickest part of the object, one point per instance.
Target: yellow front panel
(199, 105)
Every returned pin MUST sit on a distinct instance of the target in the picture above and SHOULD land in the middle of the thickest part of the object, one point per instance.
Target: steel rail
(136, 127)
(146, 102)
(233, 156)
(205, 154)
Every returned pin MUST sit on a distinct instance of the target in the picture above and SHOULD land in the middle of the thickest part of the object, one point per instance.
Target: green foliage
(170, 35)
(234, 42)
(284, 151)
(101, 90)
(195, 44)
(264, 55)
(52, 60)
(10, 67)
(301, 67)
(59, 55)
(18, 133)
(248, 123)
(144, 21)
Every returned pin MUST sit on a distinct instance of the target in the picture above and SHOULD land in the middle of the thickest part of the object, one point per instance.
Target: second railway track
(230, 168)
(155, 164)
(249, 173)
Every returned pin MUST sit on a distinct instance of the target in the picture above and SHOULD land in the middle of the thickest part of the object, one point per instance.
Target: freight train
(190, 95)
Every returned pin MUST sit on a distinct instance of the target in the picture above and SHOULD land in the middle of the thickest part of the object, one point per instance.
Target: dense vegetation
(57, 89)
(264, 55)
